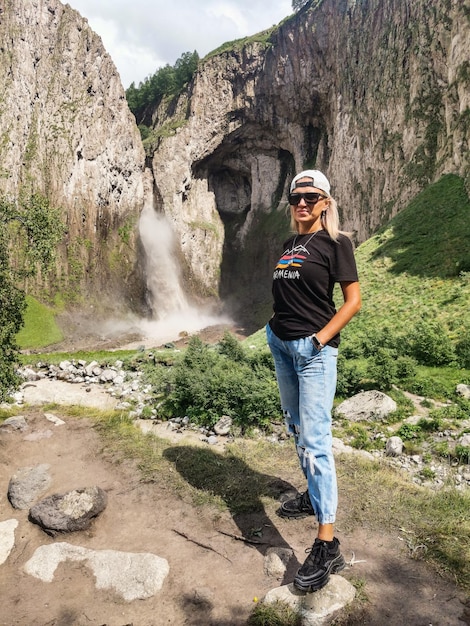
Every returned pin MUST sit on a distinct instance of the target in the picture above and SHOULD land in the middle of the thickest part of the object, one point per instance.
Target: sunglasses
(309, 197)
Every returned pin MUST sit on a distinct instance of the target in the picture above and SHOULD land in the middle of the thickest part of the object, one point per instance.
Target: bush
(429, 345)
(381, 337)
(383, 369)
(407, 432)
(349, 378)
(208, 384)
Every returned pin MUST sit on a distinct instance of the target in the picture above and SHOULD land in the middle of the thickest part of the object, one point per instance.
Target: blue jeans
(307, 385)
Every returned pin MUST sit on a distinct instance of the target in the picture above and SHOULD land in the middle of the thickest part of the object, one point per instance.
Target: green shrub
(429, 345)
(407, 432)
(431, 425)
(382, 368)
(380, 337)
(462, 453)
(207, 384)
(232, 348)
(449, 412)
(405, 367)
(349, 378)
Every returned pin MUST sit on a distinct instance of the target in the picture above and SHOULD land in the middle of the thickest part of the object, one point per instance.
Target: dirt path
(213, 578)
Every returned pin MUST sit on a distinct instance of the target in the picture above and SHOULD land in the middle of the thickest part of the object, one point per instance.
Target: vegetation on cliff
(167, 81)
(30, 231)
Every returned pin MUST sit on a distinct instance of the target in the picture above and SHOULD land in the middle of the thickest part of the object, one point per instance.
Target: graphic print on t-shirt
(290, 259)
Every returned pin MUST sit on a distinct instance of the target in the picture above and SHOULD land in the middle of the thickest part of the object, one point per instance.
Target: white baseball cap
(319, 180)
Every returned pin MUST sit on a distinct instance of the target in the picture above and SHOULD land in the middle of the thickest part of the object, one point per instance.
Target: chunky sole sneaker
(297, 507)
(324, 559)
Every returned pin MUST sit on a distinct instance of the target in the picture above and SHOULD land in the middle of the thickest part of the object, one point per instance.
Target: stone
(7, 538)
(394, 446)
(54, 419)
(223, 426)
(367, 405)
(318, 608)
(15, 423)
(276, 561)
(69, 512)
(27, 484)
(464, 391)
(464, 440)
(132, 576)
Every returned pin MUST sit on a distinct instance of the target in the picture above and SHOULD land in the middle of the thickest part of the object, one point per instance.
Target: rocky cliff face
(66, 131)
(376, 94)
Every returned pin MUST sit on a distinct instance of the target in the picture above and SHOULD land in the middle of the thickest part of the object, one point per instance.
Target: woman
(303, 336)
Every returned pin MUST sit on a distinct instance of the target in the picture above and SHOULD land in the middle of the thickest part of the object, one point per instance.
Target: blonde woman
(304, 335)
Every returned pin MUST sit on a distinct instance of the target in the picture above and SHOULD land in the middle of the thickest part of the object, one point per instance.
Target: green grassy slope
(40, 328)
(418, 266)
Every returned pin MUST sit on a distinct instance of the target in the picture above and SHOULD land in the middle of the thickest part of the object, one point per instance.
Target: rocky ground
(215, 577)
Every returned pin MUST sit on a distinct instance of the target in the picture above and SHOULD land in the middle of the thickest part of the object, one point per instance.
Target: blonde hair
(329, 219)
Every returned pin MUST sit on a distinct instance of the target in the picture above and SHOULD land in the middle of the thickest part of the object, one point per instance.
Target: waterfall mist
(173, 315)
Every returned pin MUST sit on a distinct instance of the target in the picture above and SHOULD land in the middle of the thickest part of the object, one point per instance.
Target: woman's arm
(351, 305)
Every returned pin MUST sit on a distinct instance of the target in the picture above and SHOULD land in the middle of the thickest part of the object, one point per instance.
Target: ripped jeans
(307, 385)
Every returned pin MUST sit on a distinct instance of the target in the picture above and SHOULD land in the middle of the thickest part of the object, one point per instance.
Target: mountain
(375, 93)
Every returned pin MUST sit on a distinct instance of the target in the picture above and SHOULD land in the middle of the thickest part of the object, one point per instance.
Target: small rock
(27, 484)
(223, 426)
(15, 423)
(394, 446)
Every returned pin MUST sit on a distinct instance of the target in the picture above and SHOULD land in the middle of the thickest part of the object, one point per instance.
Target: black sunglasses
(309, 197)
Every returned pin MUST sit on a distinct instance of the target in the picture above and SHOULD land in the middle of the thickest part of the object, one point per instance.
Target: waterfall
(173, 314)
(162, 269)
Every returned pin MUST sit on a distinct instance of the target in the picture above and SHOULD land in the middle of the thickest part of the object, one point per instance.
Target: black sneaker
(324, 559)
(297, 507)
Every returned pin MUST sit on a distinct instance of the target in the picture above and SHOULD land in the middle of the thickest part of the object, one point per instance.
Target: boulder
(69, 512)
(367, 406)
(27, 484)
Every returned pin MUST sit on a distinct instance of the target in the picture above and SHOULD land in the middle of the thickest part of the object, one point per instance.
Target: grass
(40, 328)
(418, 266)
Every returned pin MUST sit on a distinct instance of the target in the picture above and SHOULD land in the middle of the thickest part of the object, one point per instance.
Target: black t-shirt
(303, 283)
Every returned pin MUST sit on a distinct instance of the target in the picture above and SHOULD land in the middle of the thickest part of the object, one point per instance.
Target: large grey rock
(367, 405)
(132, 576)
(69, 512)
(7, 538)
(318, 608)
(27, 484)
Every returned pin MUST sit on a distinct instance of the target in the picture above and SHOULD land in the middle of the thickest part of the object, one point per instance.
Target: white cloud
(143, 35)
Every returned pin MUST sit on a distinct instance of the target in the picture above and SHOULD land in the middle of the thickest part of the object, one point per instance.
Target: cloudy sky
(143, 35)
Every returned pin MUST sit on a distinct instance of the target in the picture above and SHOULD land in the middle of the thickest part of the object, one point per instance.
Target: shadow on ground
(241, 488)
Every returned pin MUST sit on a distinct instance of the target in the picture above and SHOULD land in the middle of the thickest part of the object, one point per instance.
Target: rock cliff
(66, 131)
(376, 94)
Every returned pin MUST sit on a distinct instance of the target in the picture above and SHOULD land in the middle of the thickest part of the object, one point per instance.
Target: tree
(29, 233)
(167, 81)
